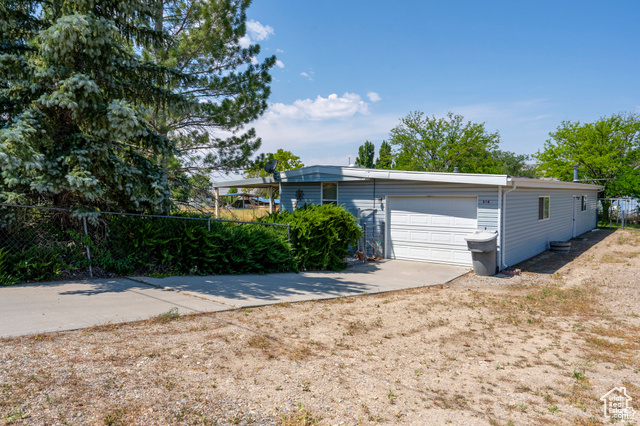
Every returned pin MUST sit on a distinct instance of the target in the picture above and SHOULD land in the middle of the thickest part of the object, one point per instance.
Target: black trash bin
(483, 245)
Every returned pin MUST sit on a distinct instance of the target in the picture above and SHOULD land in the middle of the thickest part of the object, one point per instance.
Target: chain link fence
(43, 243)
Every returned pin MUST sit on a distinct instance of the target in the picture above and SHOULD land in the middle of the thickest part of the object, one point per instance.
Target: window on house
(543, 208)
(583, 205)
(329, 193)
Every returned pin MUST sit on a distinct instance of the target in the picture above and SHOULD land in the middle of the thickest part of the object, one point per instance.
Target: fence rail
(60, 242)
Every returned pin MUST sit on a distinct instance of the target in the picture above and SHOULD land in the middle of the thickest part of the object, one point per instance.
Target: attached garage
(431, 228)
(425, 217)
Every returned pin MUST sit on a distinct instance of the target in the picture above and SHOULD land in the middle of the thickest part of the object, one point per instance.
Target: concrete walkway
(242, 291)
(55, 306)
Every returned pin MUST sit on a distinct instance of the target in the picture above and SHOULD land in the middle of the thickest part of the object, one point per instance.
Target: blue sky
(349, 70)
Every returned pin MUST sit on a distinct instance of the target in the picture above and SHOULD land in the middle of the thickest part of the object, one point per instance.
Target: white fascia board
(461, 178)
(554, 184)
(247, 183)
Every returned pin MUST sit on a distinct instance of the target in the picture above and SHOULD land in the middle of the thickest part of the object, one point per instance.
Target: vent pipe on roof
(575, 173)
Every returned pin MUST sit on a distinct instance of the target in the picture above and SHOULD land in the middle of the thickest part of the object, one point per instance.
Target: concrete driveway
(55, 306)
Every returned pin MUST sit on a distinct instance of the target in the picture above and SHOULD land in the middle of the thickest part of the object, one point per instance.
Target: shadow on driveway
(255, 290)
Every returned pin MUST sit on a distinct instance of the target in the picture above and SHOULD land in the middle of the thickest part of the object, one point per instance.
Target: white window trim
(322, 193)
(584, 205)
(549, 213)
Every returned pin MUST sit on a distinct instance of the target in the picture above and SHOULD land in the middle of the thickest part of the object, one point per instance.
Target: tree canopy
(385, 156)
(73, 89)
(286, 161)
(366, 155)
(424, 143)
(207, 43)
(606, 151)
(106, 103)
(510, 163)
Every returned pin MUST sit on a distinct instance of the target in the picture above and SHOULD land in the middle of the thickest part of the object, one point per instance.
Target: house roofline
(344, 173)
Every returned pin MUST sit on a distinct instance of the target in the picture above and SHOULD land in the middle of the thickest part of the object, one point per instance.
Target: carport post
(84, 223)
(271, 200)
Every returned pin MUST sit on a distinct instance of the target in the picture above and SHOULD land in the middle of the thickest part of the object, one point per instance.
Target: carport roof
(341, 174)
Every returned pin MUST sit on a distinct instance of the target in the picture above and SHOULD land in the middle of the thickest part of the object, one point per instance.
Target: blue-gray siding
(310, 191)
(526, 236)
(367, 199)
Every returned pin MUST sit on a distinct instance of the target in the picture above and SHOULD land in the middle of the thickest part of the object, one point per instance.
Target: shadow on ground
(549, 262)
(358, 278)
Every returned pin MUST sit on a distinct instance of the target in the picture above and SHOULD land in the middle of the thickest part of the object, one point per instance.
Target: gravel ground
(539, 348)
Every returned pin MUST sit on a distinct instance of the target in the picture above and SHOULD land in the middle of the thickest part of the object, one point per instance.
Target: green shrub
(188, 247)
(320, 235)
(32, 264)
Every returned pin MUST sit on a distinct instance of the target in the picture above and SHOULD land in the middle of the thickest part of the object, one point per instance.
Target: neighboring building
(427, 215)
(245, 201)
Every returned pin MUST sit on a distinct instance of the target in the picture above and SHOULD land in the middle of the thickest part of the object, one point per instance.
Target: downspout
(500, 226)
(504, 220)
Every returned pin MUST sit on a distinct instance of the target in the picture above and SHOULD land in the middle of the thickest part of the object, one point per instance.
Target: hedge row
(125, 245)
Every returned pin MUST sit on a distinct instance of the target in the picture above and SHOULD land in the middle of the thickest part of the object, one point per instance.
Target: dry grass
(242, 215)
(540, 348)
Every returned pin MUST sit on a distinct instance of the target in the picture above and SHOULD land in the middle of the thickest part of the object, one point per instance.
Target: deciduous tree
(366, 155)
(385, 156)
(433, 144)
(510, 163)
(286, 161)
(607, 152)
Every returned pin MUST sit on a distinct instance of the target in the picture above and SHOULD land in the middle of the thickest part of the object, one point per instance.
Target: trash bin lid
(482, 236)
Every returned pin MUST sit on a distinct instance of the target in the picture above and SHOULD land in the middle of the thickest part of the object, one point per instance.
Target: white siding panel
(526, 236)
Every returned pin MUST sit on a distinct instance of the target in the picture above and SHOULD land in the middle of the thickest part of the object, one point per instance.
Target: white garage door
(432, 229)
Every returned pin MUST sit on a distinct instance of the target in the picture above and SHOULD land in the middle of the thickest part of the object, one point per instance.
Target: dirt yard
(539, 348)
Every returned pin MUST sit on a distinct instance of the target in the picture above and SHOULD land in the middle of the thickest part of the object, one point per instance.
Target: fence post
(209, 224)
(84, 222)
(289, 233)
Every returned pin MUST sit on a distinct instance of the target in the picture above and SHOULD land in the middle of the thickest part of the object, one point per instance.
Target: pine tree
(75, 93)
(231, 86)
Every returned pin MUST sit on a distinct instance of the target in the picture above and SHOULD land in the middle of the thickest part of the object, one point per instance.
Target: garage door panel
(432, 229)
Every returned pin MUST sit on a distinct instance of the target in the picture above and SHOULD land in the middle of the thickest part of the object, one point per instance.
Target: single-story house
(426, 216)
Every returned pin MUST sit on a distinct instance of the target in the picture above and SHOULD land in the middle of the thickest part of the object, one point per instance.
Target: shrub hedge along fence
(40, 246)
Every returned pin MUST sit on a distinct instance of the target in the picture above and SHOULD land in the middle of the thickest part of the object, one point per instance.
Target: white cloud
(279, 63)
(329, 141)
(305, 75)
(320, 108)
(254, 60)
(373, 97)
(257, 31)
(279, 51)
(244, 41)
